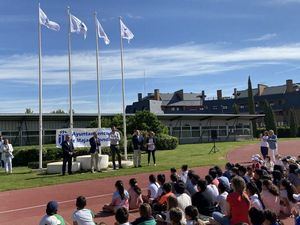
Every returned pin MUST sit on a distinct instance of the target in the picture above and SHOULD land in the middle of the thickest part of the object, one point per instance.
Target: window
(224, 107)
(242, 106)
(215, 107)
(272, 103)
(173, 109)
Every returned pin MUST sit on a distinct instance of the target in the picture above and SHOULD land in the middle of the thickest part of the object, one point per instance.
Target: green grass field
(192, 154)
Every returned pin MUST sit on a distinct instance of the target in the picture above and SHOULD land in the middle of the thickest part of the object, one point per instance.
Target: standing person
(264, 145)
(68, 151)
(137, 141)
(1, 158)
(51, 217)
(94, 151)
(7, 155)
(82, 216)
(115, 138)
(151, 147)
(272, 140)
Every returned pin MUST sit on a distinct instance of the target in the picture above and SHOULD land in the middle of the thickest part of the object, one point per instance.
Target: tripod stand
(214, 148)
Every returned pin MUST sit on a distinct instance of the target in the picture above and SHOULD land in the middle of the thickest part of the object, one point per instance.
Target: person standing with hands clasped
(272, 140)
(94, 151)
(137, 142)
(114, 146)
(68, 151)
(151, 147)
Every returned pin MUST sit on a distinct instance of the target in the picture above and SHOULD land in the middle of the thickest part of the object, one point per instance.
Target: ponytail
(119, 185)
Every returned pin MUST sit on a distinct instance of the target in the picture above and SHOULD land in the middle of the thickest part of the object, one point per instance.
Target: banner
(81, 136)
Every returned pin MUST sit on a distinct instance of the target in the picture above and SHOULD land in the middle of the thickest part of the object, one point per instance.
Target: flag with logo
(125, 32)
(77, 26)
(46, 22)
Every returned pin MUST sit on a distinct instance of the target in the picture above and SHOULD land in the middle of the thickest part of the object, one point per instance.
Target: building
(23, 129)
(282, 98)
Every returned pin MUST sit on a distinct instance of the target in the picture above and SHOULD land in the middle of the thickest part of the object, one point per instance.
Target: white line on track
(61, 202)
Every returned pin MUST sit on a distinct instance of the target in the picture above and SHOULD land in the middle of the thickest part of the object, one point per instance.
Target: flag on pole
(77, 26)
(125, 32)
(46, 22)
(101, 33)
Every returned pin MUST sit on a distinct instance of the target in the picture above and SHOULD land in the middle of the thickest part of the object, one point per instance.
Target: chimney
(156, 95)
(235, 93)
(140, 97)
(261, 88)
(203, 95)
(289, 86)
(219, 94)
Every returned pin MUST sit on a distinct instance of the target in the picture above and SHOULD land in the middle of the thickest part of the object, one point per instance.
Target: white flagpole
(98, 79)
(70, 75)
(40, 95)
(123, 93)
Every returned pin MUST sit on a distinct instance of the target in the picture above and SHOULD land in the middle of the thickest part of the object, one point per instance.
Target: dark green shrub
(166, 142)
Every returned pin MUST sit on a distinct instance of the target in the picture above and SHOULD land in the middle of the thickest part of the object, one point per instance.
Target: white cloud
(264, 37)
(181, 60)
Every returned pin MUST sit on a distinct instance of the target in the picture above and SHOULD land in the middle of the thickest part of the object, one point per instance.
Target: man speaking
(94, 151)
(68, 150)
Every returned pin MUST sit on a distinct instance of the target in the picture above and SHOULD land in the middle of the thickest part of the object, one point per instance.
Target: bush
(282, 132)
(166, 142)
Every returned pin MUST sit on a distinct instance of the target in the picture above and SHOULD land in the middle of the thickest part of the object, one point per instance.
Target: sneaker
(140, 166)
(154, 164)
(120, 167)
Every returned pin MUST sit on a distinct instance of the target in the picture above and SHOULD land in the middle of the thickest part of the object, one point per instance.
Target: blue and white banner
(81, 136)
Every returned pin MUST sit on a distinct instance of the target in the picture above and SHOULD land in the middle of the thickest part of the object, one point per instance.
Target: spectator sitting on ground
(268, 163)
(161, 179)
(256, 216)
(82, 216)
(122, 216)
(228, 172)
(162, 201)
(191, 215)
(183, 199)
(176, 216)
(221, 176)
(257, 178)
(135, 194)
(174, 171)
(120, 198)
(242, 173)
(191, 184)
(146, 217)
(184, 173)
(223, 188)
(152, 188)
(212, 187)
(270, 196)
(287, 201)
(203, 199)
(213, 173)
(174, 180)
(294, 175)
(271, 218)
(51, 217)
(254, 196)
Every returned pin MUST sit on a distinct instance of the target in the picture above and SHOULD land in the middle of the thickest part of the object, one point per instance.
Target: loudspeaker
(214, 134)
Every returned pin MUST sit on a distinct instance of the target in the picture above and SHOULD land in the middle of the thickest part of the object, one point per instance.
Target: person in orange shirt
(167, 191)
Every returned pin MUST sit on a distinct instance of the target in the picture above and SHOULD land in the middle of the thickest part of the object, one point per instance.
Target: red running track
(28, 206)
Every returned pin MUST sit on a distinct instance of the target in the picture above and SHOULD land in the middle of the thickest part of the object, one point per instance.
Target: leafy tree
(145, 120)
(269, 118)
(28, 111)
(251, 106)
(293, 123)
(105, 122)
(236, 108)
(58, 111)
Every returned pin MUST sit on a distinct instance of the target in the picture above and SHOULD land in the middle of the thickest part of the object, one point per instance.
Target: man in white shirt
(184, 173)
(114, 146)
(121, 216)
(82, 216)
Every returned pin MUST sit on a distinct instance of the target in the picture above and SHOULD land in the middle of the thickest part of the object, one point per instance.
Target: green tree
(145, 120)
(269, 118)
(28, 111)
(106, 122)
(293, 123)
(236, 108)
(251, 106)
(58, 111)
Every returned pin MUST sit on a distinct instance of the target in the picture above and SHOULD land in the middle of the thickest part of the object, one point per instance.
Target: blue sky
(180, 44)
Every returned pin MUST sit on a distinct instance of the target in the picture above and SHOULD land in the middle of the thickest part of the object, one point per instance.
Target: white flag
(77, 26)
(101, 33)
(46, 22)
(125, 32)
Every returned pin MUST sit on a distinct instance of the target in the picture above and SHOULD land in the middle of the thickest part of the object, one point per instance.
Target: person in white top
(152, 187)
(7, 155)
(82, 216)
(121, 216)
(255, 199)
(264, 145)
(184, 173)
(183, 199)
(212, 187)
(114, 146)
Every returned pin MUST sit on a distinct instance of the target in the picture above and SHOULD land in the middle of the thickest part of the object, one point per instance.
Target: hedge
(282, 132)
(29, 155)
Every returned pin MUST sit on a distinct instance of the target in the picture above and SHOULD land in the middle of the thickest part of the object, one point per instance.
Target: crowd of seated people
(258, 193)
